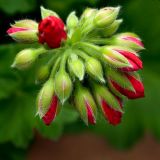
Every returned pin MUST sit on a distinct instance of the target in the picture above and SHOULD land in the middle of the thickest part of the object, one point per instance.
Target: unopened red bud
(110, 105)
(123, 58)
(127, 84)
(52, 31)
(48, 102)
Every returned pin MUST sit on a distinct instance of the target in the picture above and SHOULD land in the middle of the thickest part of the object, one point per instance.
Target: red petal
(113, 117)
(90, 114)
(135, 62)
(15, 29)
(137, 85)
(51, 114)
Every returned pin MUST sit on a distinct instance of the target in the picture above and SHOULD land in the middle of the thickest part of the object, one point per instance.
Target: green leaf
(17, 119)
(13, 6)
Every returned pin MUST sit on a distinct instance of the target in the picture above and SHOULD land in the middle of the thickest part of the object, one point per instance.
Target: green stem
(54, 69)
(99, 41)
(82, 54)
(64, 59)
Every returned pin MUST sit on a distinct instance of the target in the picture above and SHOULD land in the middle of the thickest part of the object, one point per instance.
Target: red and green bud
(63, 85)
(94, 69)
(127, 84)
(110, 30)
(42, 74)
(110, 105)
(46, 13)
(130, 40)
(122, 58)
(106, 16)
(76, 66)
(48, 103)
(24, 31)
(85, 105)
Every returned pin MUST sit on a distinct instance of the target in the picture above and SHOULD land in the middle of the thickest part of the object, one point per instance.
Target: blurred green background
(18, 123)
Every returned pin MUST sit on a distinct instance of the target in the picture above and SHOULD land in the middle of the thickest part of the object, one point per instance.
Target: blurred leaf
(17, 119)
(13, 6)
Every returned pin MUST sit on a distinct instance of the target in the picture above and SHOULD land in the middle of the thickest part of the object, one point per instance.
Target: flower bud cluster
(91, 66)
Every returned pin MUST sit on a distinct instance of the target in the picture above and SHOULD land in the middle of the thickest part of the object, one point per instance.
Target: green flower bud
(110, 30)
(63, 86)
(85, 105)
(42, 74)
(94, 69)
(106, 16)
(72, 20)
(25, 58)
(88, 13)
(46, 13)
(76, 66)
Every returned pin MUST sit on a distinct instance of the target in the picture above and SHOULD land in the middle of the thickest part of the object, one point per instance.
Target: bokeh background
(23, 136)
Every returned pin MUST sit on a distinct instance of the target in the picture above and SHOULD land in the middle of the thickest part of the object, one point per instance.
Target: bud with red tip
(52, 31)
(124, 83)
(85, 105)
(48, 103)
(24, 31)
(130, 40)
(123, 58)
(63, 85)
(106, 16)
(110, 105)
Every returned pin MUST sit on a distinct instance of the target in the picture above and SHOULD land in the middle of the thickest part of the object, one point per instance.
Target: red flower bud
(122, 58)
(110, 105)
(113, 116)
(128, 84)
(48, 103)
(51, 31)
